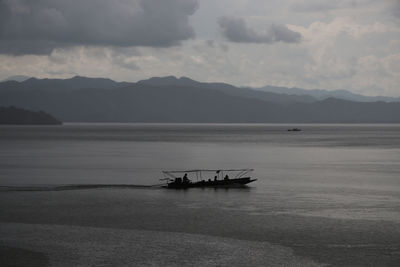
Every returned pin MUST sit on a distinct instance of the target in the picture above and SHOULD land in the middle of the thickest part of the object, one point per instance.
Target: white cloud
(321, 5)
(343, 56)
(322, 31)
(392, 64)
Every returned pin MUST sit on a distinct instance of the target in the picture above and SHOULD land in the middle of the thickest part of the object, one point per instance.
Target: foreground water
(329, 194)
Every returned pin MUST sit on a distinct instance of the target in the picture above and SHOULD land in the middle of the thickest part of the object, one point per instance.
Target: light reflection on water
(330, 192)
(344, 171)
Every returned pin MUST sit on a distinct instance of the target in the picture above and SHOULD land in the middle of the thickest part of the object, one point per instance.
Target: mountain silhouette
(171, 99)
(18, 116)
(230, 90)
(319, 94)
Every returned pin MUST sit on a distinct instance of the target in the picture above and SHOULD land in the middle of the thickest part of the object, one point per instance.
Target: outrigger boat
(180, 180)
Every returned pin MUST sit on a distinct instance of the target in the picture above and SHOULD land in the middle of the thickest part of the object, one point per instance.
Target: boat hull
(238, 182)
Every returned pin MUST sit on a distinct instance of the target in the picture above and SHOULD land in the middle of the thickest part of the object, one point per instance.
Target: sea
(90, 194)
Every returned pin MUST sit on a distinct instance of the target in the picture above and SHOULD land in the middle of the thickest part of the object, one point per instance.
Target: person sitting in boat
(226, 177)
(185, 178)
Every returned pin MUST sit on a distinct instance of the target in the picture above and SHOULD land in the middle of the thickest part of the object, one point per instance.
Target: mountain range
(171, 99)
(320, 94)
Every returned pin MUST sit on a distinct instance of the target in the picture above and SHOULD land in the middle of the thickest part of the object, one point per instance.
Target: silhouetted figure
(185, 178)
(226, 177)
(215, 178)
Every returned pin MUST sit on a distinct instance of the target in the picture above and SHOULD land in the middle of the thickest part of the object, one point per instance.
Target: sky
(312, 44)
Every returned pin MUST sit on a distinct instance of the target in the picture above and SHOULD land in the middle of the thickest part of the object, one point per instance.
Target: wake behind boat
(222, 178)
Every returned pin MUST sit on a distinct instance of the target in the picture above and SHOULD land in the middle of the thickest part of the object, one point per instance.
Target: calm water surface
(331, 193)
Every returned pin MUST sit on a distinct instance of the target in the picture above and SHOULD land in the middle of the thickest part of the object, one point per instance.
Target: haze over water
(328, 194)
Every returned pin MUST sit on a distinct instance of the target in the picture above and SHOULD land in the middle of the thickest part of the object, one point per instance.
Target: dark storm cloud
(236, 30)
(39, 26)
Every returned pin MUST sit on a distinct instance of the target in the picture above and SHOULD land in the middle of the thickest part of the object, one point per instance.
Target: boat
(214, 178)
(294, 130)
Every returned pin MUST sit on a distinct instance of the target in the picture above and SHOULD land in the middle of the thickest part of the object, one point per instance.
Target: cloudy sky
(342, 44)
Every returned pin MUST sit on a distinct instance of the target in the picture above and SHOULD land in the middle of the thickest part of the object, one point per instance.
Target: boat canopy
(238, 173)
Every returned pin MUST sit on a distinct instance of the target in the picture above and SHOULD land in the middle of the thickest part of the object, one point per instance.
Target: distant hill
(76, 82)
(228, 89)
(18, 116)
(17, 78)
(170, 99)
(324, 94)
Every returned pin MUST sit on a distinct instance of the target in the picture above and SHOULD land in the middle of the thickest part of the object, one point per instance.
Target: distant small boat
(179, 179)
(294, 130)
